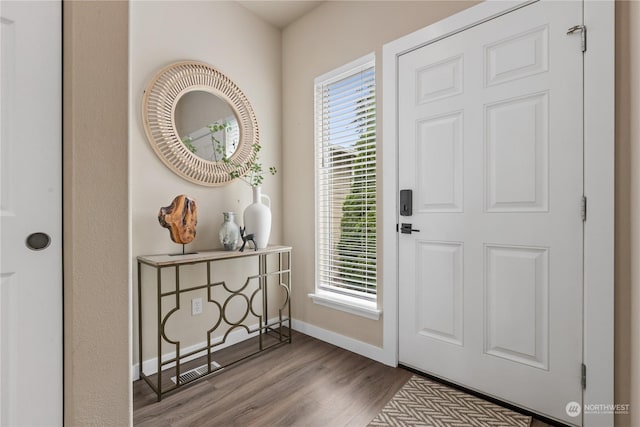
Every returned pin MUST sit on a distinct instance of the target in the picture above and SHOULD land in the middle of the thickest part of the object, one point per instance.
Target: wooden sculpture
(180, 217)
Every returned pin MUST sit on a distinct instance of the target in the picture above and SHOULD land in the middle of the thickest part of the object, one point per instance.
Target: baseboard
(150, 366)
(378, 354)
(367, 350)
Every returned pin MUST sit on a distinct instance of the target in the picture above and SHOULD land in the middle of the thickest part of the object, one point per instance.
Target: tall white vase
(257, 218)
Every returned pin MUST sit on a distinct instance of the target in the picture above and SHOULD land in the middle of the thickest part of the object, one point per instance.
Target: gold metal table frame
(274, 327)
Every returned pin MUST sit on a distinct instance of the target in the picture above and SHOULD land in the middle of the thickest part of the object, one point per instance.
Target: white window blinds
(345, 143)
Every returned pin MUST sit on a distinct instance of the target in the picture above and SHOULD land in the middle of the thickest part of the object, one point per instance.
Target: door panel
(30, 202)
(439, 300)
(490, 134)
(517, 140)
(516, 293)
(439, 80)
(517, 56)
(439, 151)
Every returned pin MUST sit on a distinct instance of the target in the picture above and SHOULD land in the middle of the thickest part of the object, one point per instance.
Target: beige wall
(627, 248)
(247, 50)
(96, 232)
(320, 41)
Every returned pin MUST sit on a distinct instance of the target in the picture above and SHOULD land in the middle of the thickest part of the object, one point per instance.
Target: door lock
(406, 202)
(407, 228)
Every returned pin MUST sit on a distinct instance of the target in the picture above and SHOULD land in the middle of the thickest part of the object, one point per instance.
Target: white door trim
(599, 187)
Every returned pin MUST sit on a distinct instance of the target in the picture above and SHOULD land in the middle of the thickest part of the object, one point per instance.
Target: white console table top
(212, 255)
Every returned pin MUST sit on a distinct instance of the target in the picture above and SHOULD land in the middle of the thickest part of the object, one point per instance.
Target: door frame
(599, 78)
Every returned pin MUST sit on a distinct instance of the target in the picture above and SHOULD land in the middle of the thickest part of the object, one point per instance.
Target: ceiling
(280, 13)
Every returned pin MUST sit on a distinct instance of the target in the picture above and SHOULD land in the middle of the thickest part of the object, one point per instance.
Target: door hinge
(583, 208)
(584, 376)
(397, 228)
(583, 35)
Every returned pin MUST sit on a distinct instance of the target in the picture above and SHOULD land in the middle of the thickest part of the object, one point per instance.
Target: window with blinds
(345, 144)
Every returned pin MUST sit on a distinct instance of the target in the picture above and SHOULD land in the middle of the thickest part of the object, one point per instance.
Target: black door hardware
(406, 202)
(406, 228)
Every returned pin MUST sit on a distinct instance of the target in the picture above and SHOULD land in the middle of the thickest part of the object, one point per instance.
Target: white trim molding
(599, 68)
(599, 185)
(150, 366)
(342, 341)
(356, 306)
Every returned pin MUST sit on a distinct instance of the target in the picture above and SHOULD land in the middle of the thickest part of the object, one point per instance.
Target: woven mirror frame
(158, 111)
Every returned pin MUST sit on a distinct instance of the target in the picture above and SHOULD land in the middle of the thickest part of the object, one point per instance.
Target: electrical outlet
(196, 306)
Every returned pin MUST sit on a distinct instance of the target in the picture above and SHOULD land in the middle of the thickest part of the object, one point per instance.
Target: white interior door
(490, 142)
(30, 202)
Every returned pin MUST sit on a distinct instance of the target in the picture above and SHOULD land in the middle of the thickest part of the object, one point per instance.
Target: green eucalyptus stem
(255, 174)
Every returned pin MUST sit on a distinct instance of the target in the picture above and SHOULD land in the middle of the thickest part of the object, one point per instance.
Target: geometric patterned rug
(422, 402)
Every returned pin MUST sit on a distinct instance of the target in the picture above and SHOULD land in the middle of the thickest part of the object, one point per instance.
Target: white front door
(30, 203)
(490, 141)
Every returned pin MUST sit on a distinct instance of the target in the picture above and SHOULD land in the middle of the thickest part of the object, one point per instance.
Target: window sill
(347, 304)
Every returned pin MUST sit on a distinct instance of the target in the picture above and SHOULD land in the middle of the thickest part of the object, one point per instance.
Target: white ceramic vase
(257, 218)
(229, 232)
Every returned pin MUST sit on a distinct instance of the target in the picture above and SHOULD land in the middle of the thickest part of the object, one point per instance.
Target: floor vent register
(194, 373)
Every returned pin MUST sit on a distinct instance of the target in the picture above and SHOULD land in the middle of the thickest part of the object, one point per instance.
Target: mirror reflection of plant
(216, 144)
(255, 175)
(188, 142)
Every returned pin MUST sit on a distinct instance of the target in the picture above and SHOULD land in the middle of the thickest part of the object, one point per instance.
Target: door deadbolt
(406, 202)
(38, 241)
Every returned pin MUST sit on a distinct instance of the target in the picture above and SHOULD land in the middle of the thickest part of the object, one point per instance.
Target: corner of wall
(95, 213)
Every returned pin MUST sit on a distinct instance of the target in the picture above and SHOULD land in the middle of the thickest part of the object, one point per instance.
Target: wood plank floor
(307, 383)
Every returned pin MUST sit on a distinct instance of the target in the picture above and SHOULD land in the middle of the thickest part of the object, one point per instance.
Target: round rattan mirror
(189, 101)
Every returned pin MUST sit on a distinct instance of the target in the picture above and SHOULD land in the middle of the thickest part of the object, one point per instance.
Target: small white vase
(229, 232)
(257, 218)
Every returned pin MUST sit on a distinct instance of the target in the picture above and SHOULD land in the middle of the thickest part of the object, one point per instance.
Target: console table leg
(139, 320)
(262, 271)
(159, 296)
(289, 288)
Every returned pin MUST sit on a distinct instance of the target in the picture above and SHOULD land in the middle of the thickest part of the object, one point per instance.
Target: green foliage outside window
(356, 248)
